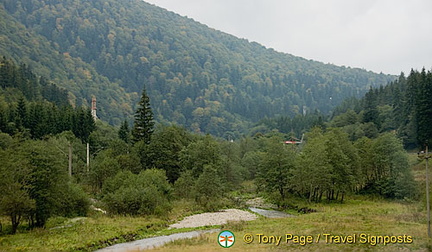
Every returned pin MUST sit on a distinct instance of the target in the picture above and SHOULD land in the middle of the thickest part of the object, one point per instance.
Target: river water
(270, 213)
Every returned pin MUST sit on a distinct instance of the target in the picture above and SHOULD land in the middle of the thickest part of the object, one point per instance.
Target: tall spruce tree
(143, 124)
(370, 107)
(124, 132)
(423, 107)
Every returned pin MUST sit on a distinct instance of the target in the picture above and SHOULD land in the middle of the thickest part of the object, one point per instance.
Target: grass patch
(357, 215)
(360, 215)
(97, 231)
(87, 235)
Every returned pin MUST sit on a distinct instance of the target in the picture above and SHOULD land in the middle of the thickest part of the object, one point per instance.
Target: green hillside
(403, 107)
(195, 76)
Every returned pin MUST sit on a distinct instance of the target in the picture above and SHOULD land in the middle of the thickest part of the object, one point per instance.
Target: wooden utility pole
(88, 157)
(427, 193)
(426, 156)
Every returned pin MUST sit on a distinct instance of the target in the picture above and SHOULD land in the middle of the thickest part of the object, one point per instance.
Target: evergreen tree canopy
(403, 106)
(203, 79)
(124, 132)
(143, 124)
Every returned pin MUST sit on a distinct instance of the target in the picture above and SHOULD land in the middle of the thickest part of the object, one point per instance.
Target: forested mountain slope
(403, 107)
(195, 76)
(25, 46)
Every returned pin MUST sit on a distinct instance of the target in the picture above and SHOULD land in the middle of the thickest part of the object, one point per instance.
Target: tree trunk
(15, 219)
(310, 193)
(31, 221)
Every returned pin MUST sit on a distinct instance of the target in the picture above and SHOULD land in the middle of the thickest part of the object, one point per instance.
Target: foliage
(312, 174)
(391, 175)
(15, 201)
(206, 81)
(124, 132)
(146, 193)
(276, 166)
(197, 77)
(35, 184)
(330, 165)
(105, 166)
(202, 152)
(143, 124)
(231, 171)
(165, 148)
(294, 125)
(49, 184)
(209, 189)
(84, 234)
(25, 81)
(37, 111)
(184, 185)
(403, 106)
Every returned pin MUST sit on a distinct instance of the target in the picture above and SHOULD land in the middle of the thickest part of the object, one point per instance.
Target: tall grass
(372, 217)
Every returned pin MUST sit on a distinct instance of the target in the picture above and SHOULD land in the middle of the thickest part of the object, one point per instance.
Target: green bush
(184, 186)
(73, 201)
(209, 189)
(146, 193)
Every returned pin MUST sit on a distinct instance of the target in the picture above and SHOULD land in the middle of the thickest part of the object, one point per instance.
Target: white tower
(93, 108)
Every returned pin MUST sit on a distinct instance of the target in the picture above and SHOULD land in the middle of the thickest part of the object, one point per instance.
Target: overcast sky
(386, 36)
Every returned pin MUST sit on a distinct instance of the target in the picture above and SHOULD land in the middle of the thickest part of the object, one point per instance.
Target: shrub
(209, 189)
(184, 186)
(72, 202)
(146, 193)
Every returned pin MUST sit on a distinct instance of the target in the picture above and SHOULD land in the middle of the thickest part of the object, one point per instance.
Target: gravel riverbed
(216, 218)
(197, 220)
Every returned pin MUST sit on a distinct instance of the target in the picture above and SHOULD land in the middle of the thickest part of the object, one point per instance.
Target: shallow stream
(270, 213)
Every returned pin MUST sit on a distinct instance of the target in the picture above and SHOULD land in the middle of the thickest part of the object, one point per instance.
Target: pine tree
(3, 120)
(423, 106)
(83, 124)
(143, 124)
(21, 119)
(124, 132)
(370, 108)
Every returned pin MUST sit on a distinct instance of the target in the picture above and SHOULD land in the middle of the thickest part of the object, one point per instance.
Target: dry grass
(87, 235)
(355, 217)
(358, 215)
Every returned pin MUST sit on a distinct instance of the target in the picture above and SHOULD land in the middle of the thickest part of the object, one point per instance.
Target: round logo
(226, 239)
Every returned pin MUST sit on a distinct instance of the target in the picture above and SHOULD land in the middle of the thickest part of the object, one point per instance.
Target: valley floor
(361, 217)
(356, 225)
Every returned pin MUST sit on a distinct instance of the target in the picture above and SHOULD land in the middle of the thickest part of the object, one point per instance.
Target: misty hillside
(198, 77)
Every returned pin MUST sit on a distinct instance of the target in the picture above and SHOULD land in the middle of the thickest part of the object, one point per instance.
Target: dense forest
(143, 169)
(34, 183)
(403, 106)
(33, 106)
(162, 81)
(203, 79)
